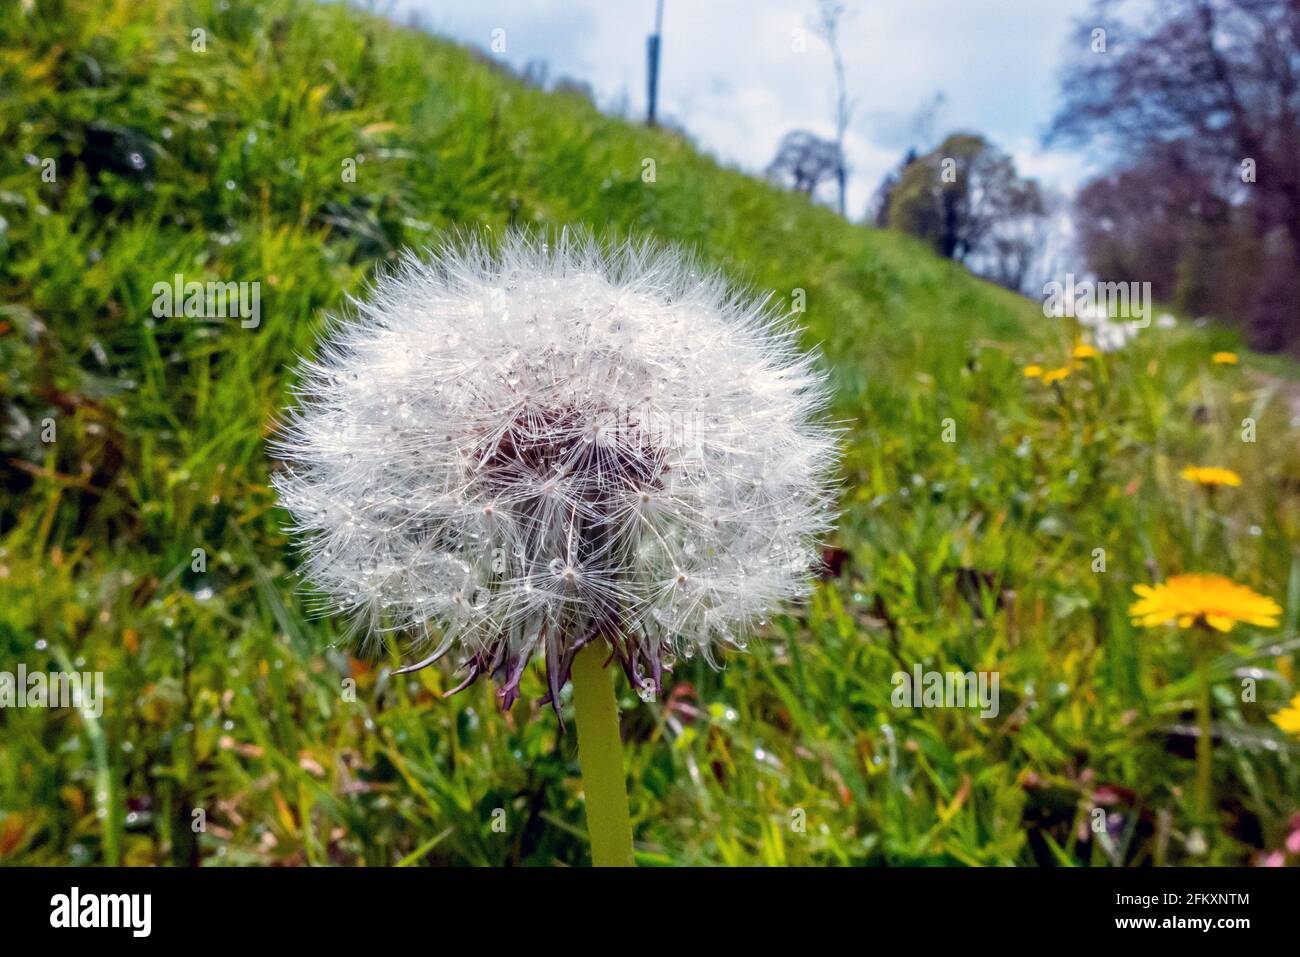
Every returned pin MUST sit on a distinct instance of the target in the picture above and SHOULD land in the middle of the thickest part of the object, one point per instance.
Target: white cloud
(731, 76)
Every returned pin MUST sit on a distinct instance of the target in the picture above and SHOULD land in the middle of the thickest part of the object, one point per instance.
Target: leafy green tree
(959, 196)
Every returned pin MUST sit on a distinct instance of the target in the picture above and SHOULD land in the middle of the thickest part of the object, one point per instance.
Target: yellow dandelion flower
(1033, 372)
(1210, 475)
(1225, 358)
(1191, 599)
(1288, 719)
(1084, 351)
(1055, 375)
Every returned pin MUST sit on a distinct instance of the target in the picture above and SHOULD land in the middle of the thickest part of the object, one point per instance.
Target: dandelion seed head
(514, 449)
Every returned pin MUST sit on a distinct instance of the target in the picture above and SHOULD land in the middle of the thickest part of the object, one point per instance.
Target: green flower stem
(1204, 742)
(600, 754)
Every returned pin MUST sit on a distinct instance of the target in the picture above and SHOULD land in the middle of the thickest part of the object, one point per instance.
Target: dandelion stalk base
(1204, 740)
(600, 754)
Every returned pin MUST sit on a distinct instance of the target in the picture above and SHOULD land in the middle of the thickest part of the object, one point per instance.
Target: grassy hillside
(230, 708)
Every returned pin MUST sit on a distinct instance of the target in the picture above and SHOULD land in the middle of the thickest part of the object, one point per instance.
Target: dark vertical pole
(652, 64)
(652, 75)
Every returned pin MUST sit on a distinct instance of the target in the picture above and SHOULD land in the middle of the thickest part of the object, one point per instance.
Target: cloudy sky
(734, 76)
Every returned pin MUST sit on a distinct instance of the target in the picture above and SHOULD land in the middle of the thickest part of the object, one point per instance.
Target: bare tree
(827, 26)
(1011, 255)
(1213, 87)
(804, 161)
(1142, 222)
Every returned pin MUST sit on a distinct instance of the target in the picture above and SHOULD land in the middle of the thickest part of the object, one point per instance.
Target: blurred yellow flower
(1084, 351)
(1210, 475)
(1288, 719)
(1225, 358)
(1033, 372)
(1191, 599)
(1055, 375)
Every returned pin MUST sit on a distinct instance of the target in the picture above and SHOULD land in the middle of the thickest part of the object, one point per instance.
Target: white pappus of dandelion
(514, 449)
(1105, 333)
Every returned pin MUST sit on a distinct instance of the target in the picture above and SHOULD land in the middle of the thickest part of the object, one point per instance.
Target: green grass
(225, 698)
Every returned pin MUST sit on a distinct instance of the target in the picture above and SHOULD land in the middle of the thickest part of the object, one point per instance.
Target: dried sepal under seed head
(514, 449)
